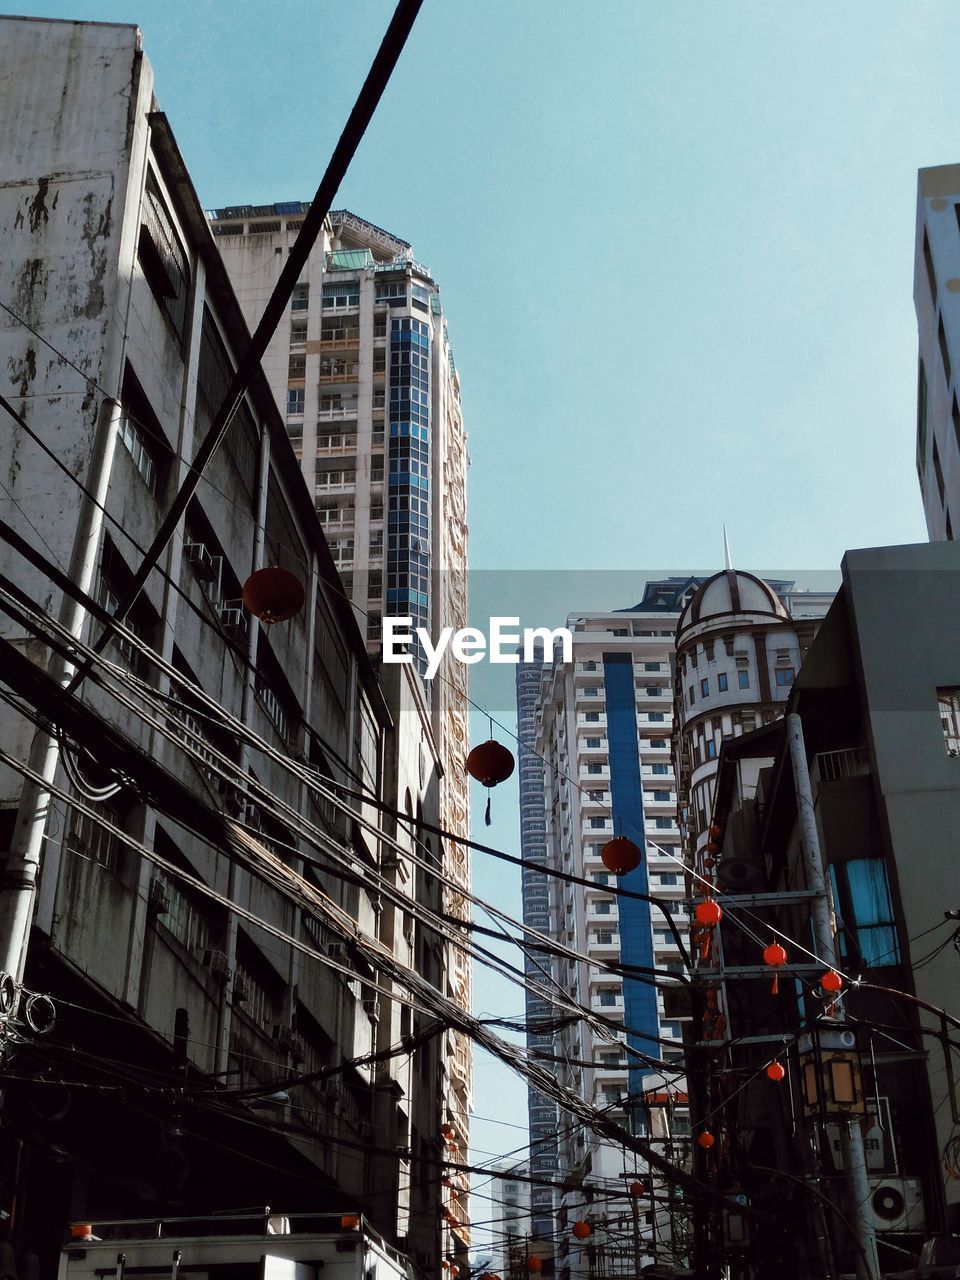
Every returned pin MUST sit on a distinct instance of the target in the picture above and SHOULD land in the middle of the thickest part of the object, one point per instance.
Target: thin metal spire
(727, 563)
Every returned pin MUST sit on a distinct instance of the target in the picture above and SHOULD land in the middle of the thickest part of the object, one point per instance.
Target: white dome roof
(731, 591)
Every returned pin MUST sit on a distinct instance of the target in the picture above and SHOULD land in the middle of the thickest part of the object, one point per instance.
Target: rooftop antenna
(726, 550)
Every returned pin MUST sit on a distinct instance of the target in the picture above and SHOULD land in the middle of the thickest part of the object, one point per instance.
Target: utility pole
(851, 1138)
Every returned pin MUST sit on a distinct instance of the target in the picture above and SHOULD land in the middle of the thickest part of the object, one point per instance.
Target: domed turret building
(740, 642)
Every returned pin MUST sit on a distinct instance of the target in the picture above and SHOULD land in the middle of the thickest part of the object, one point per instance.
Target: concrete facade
(363, 370)
(119, 334)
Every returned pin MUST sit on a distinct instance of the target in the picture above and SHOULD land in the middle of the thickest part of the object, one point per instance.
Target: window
(743, 679)
(656, 717)
(298, 332)
(295, 400)
(653, 691)
(722, 682)
(938, 469)
(604, 908)
(595, 795)
(297, 366)
(651, 666)
(660, 794)
(594, 768)
(392, 292)
(659, 769)
(343, 294)
(91, 841)
(162, 257)
(608, 998)
(601, 877)
(691, 695)
(136, 445)
(948, 704)
(590, 665)
(944, 349)
(603, 937)
(922, 419)
(670, 1028)
(597, 824)
(784, 676)
(704, 687)
(591, 692)
(663, 824)
(862, 894)
(658, 742)
(668, 878)
(711, 749)
(593, 743)
(592, 717)
(301, 297)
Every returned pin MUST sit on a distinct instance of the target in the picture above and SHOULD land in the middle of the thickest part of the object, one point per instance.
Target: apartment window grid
(136, 446)
(181, 918)
(408, 485)
(342, 296)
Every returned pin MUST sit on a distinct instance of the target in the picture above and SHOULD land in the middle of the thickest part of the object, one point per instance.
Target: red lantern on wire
(712, 848)
(448, 1131)
(708, 913)
(714, 831)
(775, 955)
(637, 1189)
(490, 763)
(705, 1140)
(582, 1230)
(534, 1265)
(273, 594)
(832, 982)
(776, 1071)
(621, 856)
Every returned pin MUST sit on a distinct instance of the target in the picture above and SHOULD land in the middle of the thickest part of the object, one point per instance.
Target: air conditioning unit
(241, 993)
(233, 619)
(896, 1204)
(218, 962)
(372, 1009)
(286, 1035)
(204, 564)
(735, 874)
(159, 900)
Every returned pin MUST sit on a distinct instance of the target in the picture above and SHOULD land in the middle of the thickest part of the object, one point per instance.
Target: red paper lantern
(776, 1071)
(708, 912)
(714, 831)
(637, 1189)
(454, 1270)
(534, 1265)
(582, 1230)
(448, 1131)
(831, 981)
(705, 1140)
(620, 855)
(775, 955)
(712, 847)
(273, 595)
(490, 763)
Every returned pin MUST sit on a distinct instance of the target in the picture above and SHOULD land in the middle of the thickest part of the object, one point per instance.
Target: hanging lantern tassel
(775, 955)
(486, 814)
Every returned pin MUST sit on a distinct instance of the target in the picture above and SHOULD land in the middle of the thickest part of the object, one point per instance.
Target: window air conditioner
(204, 564)
(218, 962)
(233, 619)
(372, 1009)
(896, 1204)
(159, 900)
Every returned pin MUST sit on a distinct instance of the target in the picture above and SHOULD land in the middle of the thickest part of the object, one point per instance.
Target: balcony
(833, 766)
(346, 408)
(338, 339)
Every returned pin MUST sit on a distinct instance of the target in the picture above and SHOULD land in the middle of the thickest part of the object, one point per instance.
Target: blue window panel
(743, 679)
(660, 769)
(722, 682)
(784, 677)
(705, 686)
(626, 794)
(862, 894)
(656, 716)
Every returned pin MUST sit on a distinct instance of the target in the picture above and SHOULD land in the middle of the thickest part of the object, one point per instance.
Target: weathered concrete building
(190, 991)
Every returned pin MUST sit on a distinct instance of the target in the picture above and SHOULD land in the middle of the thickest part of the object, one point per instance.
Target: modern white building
(363, 370)
(510, 1220)
(604, 726)
(936, 295)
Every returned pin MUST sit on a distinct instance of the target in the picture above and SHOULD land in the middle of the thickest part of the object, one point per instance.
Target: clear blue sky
(675, 247)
